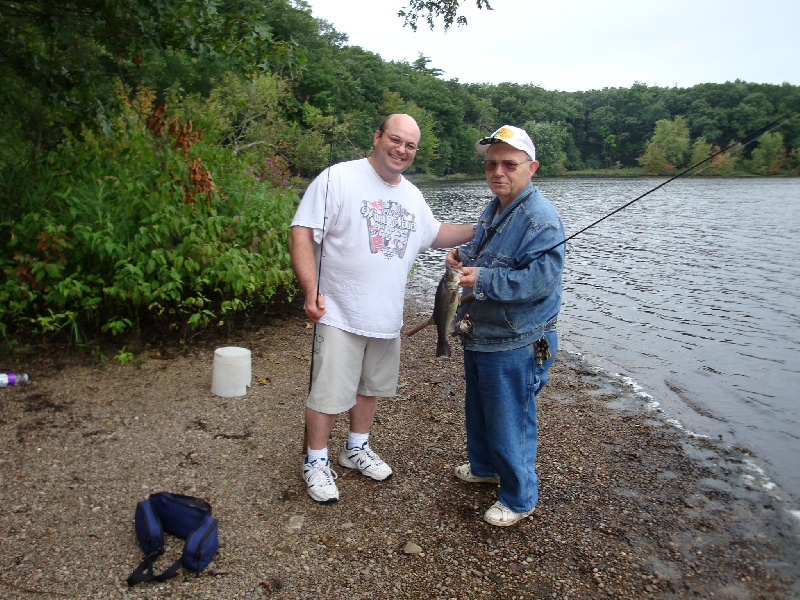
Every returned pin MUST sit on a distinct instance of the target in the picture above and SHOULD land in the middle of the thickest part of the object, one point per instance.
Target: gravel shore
(630, 507)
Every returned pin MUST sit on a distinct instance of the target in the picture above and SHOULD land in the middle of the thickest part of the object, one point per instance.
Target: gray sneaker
(464, 473)
(321, 481)
(365, 460)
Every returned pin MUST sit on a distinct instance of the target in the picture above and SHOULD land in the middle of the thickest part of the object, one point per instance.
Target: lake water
(693, 293)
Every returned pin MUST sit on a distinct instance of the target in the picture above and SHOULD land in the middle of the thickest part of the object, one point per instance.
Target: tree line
(151, 153)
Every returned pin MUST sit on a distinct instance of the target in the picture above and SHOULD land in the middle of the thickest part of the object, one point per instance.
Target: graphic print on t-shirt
(389, 226)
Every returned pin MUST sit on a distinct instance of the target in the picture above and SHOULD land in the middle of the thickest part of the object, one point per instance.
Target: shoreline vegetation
(630, 506)
(149, 178)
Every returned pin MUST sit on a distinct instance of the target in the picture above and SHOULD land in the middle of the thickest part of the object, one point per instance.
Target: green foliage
(68, 55)
(672, 137)
(793, 162)
(770, 155)
(318, 99)
(123, 357)
(701, 152)
(726, 163)
(128, 232)
(654, 161)
(431, 10)
(550, 139)
(667, 148)
(711, 159)
(251, 120)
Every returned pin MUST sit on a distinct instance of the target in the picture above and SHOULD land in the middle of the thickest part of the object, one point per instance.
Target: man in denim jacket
(511, 270)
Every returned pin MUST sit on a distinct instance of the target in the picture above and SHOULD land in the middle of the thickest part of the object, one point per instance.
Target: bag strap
(169, 573)
(144, 572)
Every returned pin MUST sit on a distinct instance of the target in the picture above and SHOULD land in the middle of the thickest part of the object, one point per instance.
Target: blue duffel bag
(185, 517)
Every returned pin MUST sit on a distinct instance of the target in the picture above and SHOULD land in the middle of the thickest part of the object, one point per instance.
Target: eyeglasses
(396, 141)
(508, 165)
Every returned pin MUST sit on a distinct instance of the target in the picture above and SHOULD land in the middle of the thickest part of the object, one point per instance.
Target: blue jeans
(502, 427)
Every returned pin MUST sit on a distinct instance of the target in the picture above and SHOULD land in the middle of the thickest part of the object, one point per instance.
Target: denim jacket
(517, 291)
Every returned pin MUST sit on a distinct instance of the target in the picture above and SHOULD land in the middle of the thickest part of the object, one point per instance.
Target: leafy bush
(145, 225)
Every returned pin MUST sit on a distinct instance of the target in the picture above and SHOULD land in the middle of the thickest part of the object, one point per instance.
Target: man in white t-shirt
(368, 223)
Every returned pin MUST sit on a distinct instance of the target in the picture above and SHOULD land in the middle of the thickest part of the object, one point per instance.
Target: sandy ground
(630, 507)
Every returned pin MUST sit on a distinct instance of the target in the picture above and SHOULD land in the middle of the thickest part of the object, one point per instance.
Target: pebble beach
(630, 507)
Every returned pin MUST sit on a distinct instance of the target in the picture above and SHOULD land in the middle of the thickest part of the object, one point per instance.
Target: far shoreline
(423, 178)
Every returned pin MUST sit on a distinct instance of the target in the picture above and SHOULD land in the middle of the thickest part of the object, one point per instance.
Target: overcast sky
(577, 45)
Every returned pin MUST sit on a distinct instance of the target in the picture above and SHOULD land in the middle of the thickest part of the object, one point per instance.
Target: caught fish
(444, 310)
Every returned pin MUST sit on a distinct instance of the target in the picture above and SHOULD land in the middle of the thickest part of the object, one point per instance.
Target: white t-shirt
(373, 233)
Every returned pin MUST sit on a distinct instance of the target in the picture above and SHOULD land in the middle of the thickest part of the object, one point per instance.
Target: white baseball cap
(508, 134)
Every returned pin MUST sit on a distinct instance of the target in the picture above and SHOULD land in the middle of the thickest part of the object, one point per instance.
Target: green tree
(421, 65)
(673, 138)
(753, 112)
(447, 10)
(769, 156)
(654, 161)
(793, 162)
(602, 124)
(667, 148)
(481, 113)
(726, 163)
(707, 122)
(701, 150)
(70, 54)
(550, 140)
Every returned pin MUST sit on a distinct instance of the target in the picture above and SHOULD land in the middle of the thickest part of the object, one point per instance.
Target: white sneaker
(321, 481)
(502, 516)
(464, 473)
(365, 460)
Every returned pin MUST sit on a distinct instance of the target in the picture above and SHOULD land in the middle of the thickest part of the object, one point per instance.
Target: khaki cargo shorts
(346, 364)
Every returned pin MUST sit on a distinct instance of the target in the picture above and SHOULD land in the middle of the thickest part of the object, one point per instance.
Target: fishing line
(744, 141)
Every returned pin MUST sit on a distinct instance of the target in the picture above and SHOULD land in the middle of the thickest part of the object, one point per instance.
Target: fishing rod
(319, 275)
(750, 138)
(321, 249)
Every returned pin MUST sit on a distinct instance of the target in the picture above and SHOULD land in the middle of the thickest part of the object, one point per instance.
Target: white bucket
(231, 373)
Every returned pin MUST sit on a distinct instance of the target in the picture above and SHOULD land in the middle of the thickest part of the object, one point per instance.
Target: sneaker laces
(370, 454)
(319, 467)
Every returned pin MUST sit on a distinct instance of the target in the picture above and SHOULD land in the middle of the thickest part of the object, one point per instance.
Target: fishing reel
(464, 326)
